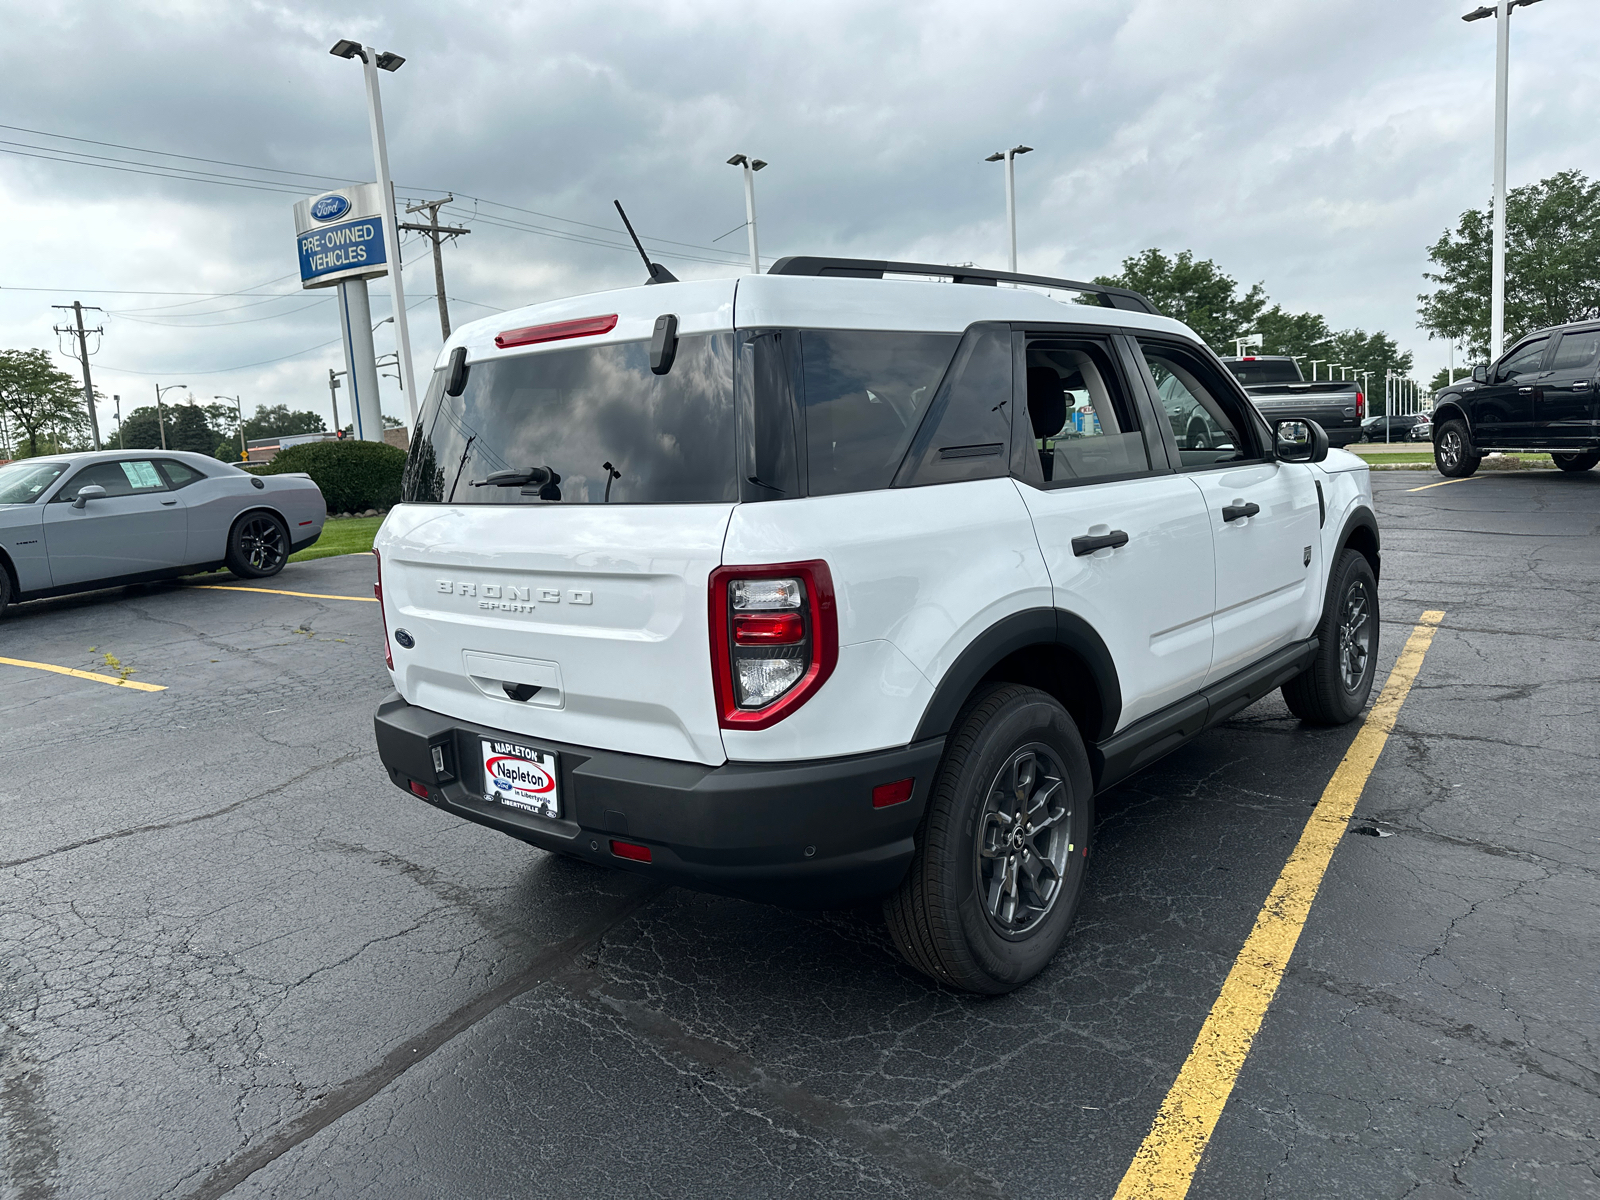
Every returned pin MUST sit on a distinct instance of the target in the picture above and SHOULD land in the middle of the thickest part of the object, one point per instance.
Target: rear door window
(1083, 421)
(865, 394)
(1576, 351)
(607, 428)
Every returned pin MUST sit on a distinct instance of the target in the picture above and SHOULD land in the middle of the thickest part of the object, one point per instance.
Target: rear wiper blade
(531, 476)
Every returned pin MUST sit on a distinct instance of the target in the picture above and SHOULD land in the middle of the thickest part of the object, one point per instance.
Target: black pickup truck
(1279, 390)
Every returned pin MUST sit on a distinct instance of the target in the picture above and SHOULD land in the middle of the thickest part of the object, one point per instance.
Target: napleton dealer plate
(520, 777)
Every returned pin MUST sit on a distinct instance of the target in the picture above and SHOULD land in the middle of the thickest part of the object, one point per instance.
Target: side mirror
(1299, 441)
(1480, 374)
(88, 492)
(455, 376)
(664, 343)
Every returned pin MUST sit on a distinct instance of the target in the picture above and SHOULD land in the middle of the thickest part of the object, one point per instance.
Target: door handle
(168, 503)
(1522, 391)
(1581, 385)
(1234, 511)
(1089, 543)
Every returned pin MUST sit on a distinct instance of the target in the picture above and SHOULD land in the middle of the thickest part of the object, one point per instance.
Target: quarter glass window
(178, 474)
(1084, 426)
(865, 396)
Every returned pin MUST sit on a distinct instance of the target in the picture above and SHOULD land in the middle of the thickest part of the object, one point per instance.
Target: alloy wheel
(261, 540)
(1024, 846)
(1355, 636)
(1450, 449)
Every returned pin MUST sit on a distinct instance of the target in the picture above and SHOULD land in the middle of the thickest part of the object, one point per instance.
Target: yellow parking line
(76, 674)
(1442, 483)
(1164, 1165)
(222, 587)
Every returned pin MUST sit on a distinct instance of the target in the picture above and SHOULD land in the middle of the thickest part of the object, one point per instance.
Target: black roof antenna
(658, 273)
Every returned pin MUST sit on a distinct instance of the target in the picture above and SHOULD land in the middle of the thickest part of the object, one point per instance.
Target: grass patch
(352, 536)
(1392, 456)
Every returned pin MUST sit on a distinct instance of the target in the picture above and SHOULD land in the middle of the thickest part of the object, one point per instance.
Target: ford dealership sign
(329, 208)
(339, 235)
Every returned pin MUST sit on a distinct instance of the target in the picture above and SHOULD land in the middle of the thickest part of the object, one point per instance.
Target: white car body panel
(614, 598)
(924, 569)
(1151, 600)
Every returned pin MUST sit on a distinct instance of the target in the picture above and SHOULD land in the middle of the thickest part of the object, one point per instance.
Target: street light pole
(161, 420)
(1501, 11)
(1315, 363)
(751, 166)
(1009, 157)
(372, 61)
(239, 404)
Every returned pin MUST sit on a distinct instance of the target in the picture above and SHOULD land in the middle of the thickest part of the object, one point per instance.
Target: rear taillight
(377, 590)
(774, 640)
(1361, 405)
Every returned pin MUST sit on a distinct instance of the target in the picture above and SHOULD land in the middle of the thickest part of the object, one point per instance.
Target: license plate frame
(521, 777)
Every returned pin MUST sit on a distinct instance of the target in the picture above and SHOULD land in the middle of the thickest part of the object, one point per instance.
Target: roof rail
(871, 268)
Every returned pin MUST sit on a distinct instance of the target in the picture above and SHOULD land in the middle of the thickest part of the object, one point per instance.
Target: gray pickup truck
(1279, 390)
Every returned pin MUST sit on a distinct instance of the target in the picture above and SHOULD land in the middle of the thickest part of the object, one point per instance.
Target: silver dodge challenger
(72, 522)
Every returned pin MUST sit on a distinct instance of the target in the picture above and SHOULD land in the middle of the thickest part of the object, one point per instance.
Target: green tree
(276, 420)
(1552, 264)
(1197, 293)
(1373, 354)
(139, 430)
(45, 403)
(1304, 336)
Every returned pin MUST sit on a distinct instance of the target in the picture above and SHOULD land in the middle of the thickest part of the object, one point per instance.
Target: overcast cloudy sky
(1316, 145)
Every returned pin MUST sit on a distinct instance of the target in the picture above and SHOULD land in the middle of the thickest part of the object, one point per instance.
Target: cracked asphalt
(237, 961)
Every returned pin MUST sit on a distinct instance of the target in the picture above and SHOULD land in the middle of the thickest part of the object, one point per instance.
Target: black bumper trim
(802, 833)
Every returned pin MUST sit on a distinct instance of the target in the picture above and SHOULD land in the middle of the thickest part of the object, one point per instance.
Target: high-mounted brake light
(377, 590)
(774, 640)
(557, 331)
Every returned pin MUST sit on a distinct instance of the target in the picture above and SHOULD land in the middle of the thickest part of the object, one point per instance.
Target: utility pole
(117, 400)
(333, 394)
(437, 234)
(82, 335)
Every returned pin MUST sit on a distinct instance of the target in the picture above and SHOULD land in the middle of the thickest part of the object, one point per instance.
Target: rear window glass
(597, 417)
(1265, 370)
(865, 395)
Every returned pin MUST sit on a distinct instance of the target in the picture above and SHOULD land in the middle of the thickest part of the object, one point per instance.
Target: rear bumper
(801, 833)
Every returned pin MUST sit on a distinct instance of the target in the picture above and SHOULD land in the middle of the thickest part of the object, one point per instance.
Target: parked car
(1422, 431)
(1395, 428)
(1280, 391)
(1542, 395)
(74, 522)
(818, 585)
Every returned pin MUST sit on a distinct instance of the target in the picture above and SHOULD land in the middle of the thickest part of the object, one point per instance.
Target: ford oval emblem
(404, 638)
(330, 208)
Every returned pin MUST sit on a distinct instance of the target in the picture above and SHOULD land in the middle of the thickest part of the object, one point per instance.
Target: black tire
(1334, 688)
(1577, 462)
(1452, 451)
(258, 546)
(946, 921)
(6, 590)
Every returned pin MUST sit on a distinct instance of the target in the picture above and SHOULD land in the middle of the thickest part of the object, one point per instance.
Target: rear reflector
(629, 850)
(557, 331)
(897, 792)
(768, 629)
(420, 789)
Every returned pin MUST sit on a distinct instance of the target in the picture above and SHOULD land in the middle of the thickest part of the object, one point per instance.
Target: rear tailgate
(1331, 405)
(602, 609)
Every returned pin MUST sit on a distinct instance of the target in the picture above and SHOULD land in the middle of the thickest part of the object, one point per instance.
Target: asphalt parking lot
(238, 961)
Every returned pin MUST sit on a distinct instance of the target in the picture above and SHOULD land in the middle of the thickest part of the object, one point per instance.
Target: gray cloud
(1316, 147)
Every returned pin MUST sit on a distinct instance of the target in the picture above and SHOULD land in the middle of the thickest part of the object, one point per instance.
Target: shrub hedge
(353, 475)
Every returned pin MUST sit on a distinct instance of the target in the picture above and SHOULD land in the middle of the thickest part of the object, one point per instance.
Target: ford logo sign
(330, 208)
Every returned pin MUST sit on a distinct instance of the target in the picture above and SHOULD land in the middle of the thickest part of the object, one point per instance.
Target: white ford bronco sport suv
(820, 585)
